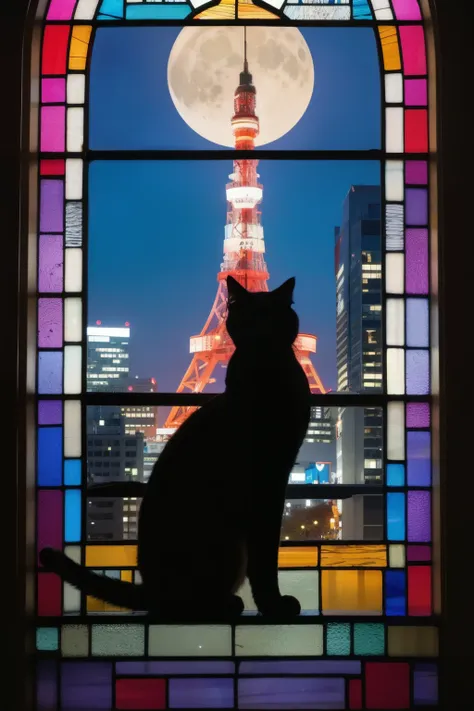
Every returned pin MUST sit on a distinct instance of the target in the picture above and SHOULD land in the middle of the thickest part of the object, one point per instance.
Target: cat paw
(286, 607)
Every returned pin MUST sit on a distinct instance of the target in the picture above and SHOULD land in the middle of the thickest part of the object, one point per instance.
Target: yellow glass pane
(224, 11)
(405, 641)
(353, 556)
(346, 591)
(79, 45)
(247, 10)
(390, 50)
(126, 576)
(298, 557)
(94, 605)
(111, 556)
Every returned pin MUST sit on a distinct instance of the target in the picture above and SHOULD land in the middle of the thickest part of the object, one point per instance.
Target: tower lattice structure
(244, 250)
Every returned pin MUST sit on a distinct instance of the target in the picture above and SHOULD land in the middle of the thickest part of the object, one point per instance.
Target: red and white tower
(244, 250)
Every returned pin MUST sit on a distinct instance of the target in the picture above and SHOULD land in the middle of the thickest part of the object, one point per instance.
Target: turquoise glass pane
(361, 10)
(155, 11)
(72, 516)
(369, 639)
(47, 639)
(395, 474)
(339, 638)
(72, 472)
(396, 517)
(111, 10)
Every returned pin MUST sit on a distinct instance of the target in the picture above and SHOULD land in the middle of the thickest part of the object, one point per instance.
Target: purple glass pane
(173, 668)
(416, 172)
(53, 128)
(50, 271)
(50, 412)
(46, 686)
(419, 516)
(86, 685)
(53, 91)
(50, 519)
(418, 415)
(417, 323)
(281, 693)
(417, 554)
(416, 261)
(406, 9)
(416, 206)
(50, 373)
(419, 458)
(51, 206)
(50, 323)
(417, 368)
(300, 667)
(61, 9)
(201, 693)
(425, 687)
(416, 92)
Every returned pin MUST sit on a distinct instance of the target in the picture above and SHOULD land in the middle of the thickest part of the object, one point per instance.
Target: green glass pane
(118, 640)
(369, 639)
(339, 638)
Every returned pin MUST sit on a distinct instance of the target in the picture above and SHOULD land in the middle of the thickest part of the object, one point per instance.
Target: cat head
(261, 319)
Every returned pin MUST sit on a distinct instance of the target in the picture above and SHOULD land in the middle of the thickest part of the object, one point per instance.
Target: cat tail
(116, 592)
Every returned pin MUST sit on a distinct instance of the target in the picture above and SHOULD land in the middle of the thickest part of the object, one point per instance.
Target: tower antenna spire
(246, 66)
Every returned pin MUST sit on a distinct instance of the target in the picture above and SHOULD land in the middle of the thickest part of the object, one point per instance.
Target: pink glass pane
(50, 271)
(416, 92)
(49, 594)
(416, 206)
(406, 9)
(50, 412)
(416, 261)
(61, 9)
(417, 554)
(51, 206)
(417, 368)
(418, 415)
(50, 519)
(419, 516)
(416, 172)
(53, 128)
(50, 373)
(413, 49)
(53, 91)
(50, 323)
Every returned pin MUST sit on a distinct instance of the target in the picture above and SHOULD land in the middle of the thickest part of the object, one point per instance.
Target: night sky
(156, 228)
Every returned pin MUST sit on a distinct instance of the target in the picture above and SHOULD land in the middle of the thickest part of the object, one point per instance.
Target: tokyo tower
(244, 250)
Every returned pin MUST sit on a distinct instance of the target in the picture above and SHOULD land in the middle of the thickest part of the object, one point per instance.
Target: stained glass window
(368, 635)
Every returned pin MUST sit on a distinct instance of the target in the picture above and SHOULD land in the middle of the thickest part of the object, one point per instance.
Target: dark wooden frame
(452, 28)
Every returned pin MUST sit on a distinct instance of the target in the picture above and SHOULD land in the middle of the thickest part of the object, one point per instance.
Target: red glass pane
(140, 694)
(387, 685)
(49, 594)
(419, 590)
(52, 167)
(355, 694)
(55, 43)
(416, 131)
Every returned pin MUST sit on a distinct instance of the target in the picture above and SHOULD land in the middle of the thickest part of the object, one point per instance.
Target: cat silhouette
(212, 508)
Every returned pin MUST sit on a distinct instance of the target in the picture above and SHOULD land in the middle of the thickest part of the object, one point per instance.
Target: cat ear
(285, 291)
(235, 290)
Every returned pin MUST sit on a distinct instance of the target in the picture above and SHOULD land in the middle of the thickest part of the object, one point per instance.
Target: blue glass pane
(361, 10)
(396, 517)
(72, 516)
(111, 10)
(395, 475)
(395, 595)
(417, 320)
(50, 456)
(72, 472)
(171, 11)
(419, 458)
(50, 372)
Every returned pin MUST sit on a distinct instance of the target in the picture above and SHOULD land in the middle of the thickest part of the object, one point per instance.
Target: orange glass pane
(94, 605)
(298, 557)
(354, 556)
(348, 591)
(247, 10)
(225, 10)
(390, 49)
(79, 46)
(111, 556)
(126, 576)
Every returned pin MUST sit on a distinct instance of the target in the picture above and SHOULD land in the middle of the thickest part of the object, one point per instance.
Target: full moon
(203, 72)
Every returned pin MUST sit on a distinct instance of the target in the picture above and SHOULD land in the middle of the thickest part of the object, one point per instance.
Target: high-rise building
(321, 428)
(108, 358)
(141, 418)
(359, 434)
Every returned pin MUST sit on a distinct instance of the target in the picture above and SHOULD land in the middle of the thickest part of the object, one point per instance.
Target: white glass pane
(395, 371)
(394, 180)
(190, 641)
(85, 9)
(394, 129)
(74, 553)
(75, 129)
(417, 323)
(76, 88)
(278, 640)
(302, 584)
(394, 273)
(73, 179)
(307, 12)
(118, 640)
(71, 599)
(393, 88)
(72, 370)
(395, 320)
(396, 556)
(396, 430)
(73, 319)
(73, 270)
(394, 227)
(75, 641)
(382, 9)
(72, 428)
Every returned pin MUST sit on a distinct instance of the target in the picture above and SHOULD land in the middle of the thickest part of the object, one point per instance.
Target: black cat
(212, 508)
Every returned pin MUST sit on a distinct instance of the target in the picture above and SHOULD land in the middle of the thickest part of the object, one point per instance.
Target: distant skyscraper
(108, 358)
(358, 269)
(141, 418)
